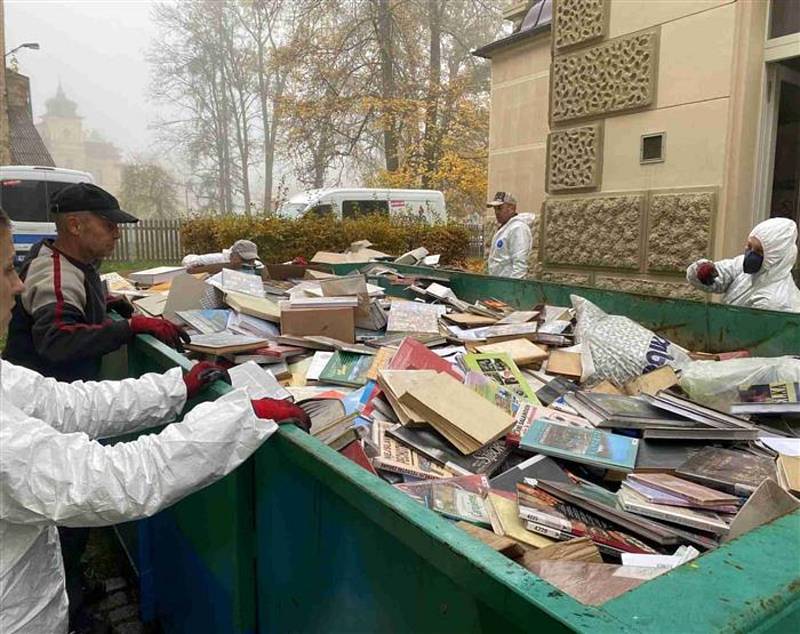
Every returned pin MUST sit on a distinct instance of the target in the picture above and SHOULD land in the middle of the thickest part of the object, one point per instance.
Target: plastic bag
(617, 348)
(717, 383)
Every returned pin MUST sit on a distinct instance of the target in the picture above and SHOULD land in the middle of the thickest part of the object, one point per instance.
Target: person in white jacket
(54, 472)
(511, 244)
(759, 278)
(242, 253)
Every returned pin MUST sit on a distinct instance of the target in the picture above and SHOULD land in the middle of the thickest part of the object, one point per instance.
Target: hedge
(282, 239)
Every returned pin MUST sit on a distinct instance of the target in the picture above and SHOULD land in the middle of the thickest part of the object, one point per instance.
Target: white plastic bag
(619, 349)
(716, 383)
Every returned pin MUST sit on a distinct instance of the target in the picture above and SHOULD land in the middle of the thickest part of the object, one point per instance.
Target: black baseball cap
(89, 197)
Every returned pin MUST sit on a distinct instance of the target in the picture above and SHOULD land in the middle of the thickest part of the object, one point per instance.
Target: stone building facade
(73, 147)
(644, 133)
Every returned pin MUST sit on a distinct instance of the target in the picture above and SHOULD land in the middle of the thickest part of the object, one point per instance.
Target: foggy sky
(97, 50)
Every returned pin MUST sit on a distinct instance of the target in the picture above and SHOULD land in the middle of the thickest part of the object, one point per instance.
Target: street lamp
(31, 45)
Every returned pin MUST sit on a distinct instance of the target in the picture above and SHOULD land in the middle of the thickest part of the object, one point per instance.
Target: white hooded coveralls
(511, 248)
(770, 288)
(53, 472)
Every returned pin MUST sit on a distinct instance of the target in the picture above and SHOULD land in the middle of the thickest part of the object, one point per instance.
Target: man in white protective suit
(54, 472)
(243, 253)
(759, 278)
(511, 244)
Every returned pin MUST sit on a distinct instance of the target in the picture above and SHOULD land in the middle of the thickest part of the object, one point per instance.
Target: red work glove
(163, 330)
(300, 260)
(203, 374)
(281, 412)
(119, 305)
(707, 273)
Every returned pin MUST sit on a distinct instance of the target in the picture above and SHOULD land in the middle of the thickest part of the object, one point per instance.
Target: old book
(697, 412)
(233, 281)
(324, 302)
(321, 359)
(459, 504)
(535, 467)
(337, 323)
(605, 387)
(260, 307)
(336, 344)
(501, 396)
(664, 456)
(506, 522)
(563, 363)
(521, 351)
(653, 382)
(528, 413)
(397, 458)
(433, 445)
(697, 494)
(222, 343)
(767, 503)
(789, 472)
(346, 368)
(500, 368)
(116, 284)
(414, 355)
(242, 324)
(206, 322)
(258, 382)
(463, 417)
(380, 362)
(589, 446)
(422, 490)
(662, 497)
(503, 545)
(395, 383)
(519, 317)
(323, 411)
(622, 411)
(355, 451)
(152, 305)
(775, 398)
(157, 275)
(468, 320)
(413, 317)
(736, 472)
(185, 293)
(576, 549)
(706, 521)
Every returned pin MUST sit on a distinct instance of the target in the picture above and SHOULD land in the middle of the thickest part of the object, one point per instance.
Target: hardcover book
(347, 368)
(500, 368)
(736, 472)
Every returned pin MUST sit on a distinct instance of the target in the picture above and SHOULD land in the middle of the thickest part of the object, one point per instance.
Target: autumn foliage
(282, 239)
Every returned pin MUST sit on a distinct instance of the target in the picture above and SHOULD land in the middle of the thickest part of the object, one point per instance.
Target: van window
(356, 208)
(24, 201)
(54, 187)
(320, 210)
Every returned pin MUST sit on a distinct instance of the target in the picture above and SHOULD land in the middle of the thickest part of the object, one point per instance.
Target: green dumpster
(303, 540)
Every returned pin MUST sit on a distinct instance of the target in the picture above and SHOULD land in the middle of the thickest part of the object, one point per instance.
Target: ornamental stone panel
(662, 288)
(574, 159)
(578, 22)
(680, 229)
(595, 231)
(572, 279)
(612, 77)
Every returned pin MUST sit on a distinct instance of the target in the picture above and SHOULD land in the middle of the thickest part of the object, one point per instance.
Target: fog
(97, 51)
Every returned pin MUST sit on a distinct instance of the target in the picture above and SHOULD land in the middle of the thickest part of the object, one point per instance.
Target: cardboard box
(338, 323)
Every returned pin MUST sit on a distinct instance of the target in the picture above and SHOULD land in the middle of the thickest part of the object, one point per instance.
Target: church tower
(61, 129)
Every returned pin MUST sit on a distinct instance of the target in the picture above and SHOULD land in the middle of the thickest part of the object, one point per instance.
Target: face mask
(752, 261)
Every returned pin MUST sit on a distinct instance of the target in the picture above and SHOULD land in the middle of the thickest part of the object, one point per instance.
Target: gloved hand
(203, 374)
(163, 330)
(707, 273)
(282, 412)
(119, 305)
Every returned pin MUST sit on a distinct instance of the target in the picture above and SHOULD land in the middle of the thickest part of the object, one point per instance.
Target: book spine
(547, 531)
(672, 517)
(387, 465)
(531, 515)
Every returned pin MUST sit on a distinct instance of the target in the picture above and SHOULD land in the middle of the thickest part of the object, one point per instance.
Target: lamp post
(31, 45)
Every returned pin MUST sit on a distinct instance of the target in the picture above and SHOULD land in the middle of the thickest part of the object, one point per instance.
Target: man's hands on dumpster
(163, 330)
(282, 412)
(707, 273)
(203, 374)
(119, 305)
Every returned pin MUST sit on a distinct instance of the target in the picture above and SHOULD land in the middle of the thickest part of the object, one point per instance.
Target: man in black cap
(60, 325)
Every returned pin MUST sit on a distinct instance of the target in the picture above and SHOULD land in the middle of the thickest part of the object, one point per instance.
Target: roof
(27, 147)
(538, 20)
(60, 105)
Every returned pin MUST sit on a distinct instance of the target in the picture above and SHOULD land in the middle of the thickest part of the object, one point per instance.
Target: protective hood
(778, 236)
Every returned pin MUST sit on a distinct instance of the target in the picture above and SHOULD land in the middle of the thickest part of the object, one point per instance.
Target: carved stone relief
(680, 229)
(612, 77)
(574, 159)
(578, 22)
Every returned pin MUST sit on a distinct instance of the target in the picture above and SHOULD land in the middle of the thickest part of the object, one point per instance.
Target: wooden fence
(158, 240)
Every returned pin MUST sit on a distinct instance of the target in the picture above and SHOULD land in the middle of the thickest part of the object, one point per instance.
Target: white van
(25, 192)
(427, 204)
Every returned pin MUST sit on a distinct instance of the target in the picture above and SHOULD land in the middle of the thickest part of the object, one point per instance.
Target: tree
(148, 190)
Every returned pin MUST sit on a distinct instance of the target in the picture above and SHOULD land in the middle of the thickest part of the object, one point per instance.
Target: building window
(784, 18)
(652, 148)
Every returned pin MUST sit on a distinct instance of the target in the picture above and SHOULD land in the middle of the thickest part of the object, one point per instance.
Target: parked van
(25, 193)
(426, 204)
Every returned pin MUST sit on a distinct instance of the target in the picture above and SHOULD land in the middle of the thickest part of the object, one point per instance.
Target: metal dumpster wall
(698, 326)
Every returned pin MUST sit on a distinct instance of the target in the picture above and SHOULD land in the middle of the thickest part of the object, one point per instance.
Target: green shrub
(281, 239)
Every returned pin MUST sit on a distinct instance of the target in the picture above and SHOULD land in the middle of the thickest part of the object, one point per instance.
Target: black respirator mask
(752, 261)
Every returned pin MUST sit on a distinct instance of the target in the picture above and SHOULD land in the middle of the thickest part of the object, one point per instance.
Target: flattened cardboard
(337, 323)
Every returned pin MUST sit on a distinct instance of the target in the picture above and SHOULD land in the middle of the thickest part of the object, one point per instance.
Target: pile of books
(477, 410)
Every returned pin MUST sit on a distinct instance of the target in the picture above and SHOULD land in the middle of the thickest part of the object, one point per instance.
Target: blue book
(589, 446)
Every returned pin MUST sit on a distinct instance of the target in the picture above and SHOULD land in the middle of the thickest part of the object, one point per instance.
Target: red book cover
(355, 452)
(412, 355)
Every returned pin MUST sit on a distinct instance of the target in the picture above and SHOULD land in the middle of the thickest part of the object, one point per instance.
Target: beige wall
(518, 125)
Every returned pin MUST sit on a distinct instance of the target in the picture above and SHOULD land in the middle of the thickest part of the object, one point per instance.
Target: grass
(128, 267)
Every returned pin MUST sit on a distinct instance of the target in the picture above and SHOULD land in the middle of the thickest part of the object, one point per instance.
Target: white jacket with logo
(54, 472)
(772, 287)
(511, 247)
